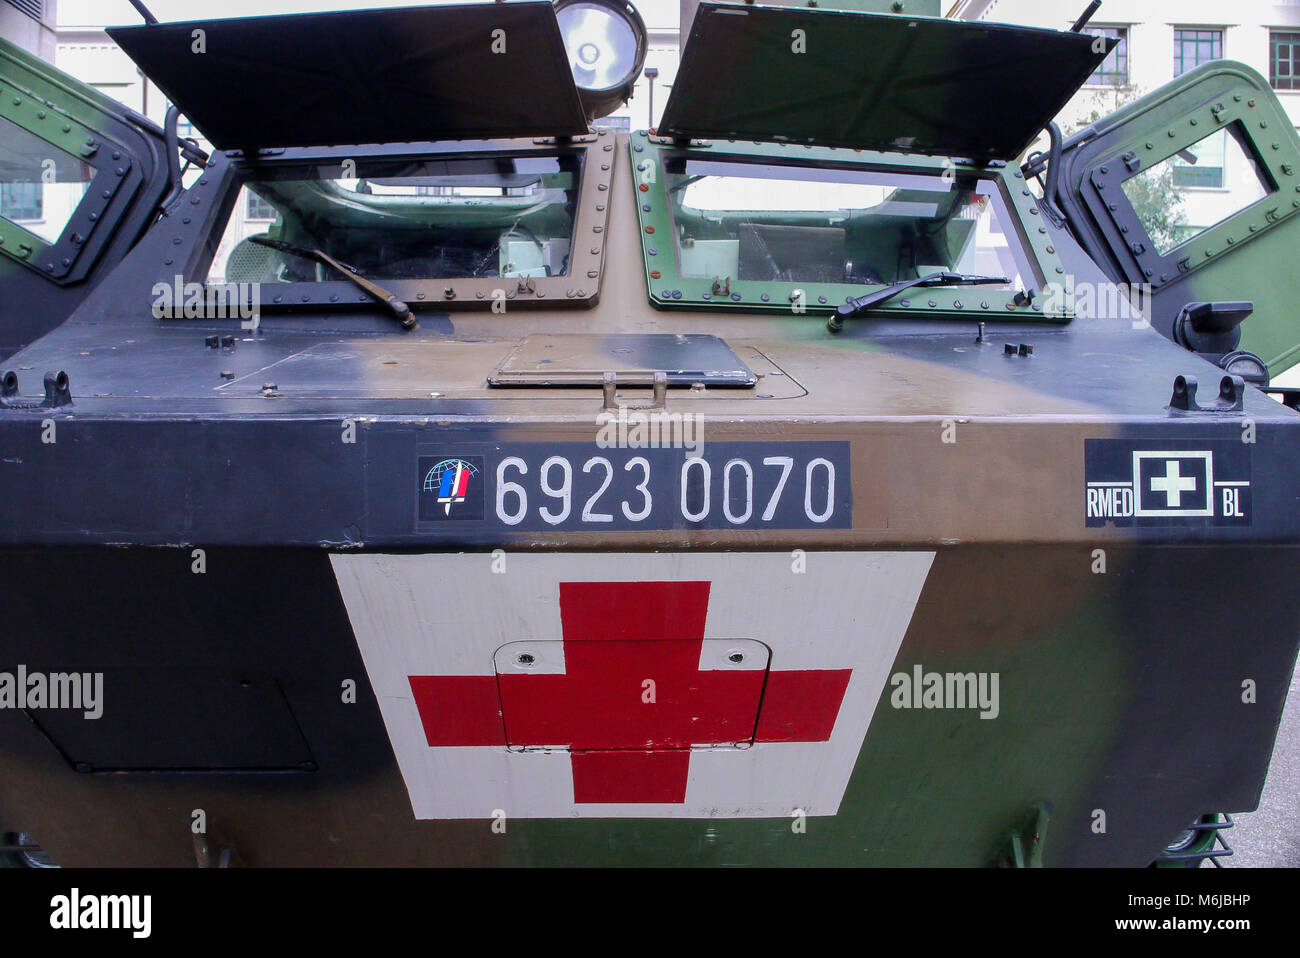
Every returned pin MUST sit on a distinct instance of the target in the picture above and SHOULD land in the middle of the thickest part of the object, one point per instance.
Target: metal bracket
(678, 142)
(58, 392)
(609, 386)
(1232, 395)
(1024, 848)
(206, 857)
(1217, 847)
(1289, 395)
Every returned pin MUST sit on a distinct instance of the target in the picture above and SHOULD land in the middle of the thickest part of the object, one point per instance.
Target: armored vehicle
(432, 474)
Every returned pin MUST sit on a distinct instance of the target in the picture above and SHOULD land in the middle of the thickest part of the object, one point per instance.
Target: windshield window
(747, 221)
(40, 185)
(1212, 180)
(456, 218)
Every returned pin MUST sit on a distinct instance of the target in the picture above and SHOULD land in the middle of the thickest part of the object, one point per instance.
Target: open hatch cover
(873, 81)
(470, 71)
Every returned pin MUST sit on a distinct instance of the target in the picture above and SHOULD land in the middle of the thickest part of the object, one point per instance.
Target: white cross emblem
(1173, 485)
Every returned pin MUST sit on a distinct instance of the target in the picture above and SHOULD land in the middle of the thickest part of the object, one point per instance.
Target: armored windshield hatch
(872, 81)
(473, 71)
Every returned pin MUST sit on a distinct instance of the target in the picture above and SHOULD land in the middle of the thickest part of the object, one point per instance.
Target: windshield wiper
(400, 310)
(858, 306)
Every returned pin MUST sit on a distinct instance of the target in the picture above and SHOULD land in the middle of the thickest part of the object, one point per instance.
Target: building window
(20, 201)
(1284, 60)
(1194, 47)
(1114, 69)
(1201, 164)
(258, 208)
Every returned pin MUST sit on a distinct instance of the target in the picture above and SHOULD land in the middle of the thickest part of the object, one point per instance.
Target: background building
(30, 24)
(1161, 39)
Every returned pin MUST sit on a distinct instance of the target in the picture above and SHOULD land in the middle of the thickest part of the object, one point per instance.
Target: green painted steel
(66, 113)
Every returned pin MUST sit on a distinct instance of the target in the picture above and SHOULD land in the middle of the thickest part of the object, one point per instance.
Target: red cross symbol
(623, 748)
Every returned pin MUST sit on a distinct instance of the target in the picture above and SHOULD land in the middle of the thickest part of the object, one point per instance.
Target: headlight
(606, 43)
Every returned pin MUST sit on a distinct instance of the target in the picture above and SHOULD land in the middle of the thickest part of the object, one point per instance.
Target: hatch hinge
(565, 140)
(1232, 395)
(680, 142)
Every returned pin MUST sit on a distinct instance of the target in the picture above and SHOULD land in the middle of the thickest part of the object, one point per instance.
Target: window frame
(1122, 32)
(1293, 81)
(666, 288)
(579, 287)
(70, 257)
(39, 217)
(1216, 42)
(1138, 151)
